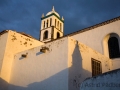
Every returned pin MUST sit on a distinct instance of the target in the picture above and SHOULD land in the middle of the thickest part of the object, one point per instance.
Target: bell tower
(51, 26)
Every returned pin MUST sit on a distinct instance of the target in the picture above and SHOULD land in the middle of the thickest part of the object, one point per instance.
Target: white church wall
(16, 42)
(64, 67)
(3, 41)
(41, 71)
(94, 37)
(115, 64)
(79, 56)
(97, 39)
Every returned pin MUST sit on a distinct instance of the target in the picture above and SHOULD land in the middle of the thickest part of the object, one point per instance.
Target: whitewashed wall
(41, 71)
(94, 37)
(64, 67)
(3, 40)
(79, 63)
(97, 39)
(15, 42)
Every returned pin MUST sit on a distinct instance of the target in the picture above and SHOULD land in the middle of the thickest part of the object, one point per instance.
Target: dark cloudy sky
(25, 15)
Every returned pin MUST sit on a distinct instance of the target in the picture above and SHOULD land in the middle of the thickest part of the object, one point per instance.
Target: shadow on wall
(67, 79)
(76, 73)
(3, 84)
(56, 82)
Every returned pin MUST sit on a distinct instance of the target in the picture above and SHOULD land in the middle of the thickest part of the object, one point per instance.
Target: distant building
(58, 62)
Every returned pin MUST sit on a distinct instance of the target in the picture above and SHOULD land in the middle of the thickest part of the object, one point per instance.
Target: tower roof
(53, 11)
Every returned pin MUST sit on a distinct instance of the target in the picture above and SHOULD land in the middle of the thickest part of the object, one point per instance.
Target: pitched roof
(26, 35)
(95, 26)
(4, 31)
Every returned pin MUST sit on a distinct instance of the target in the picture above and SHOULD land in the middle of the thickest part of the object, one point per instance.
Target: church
(57, 61)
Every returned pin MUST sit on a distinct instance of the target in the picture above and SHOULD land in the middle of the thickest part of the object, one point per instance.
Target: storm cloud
(25, 15)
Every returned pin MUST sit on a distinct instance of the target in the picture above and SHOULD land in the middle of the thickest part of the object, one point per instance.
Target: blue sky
(25, 15)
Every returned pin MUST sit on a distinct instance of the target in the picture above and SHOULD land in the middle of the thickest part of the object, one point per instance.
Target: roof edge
(4, 31)
(95, 26)
(51, 15)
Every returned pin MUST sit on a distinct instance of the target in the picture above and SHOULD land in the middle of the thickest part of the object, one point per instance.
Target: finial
(42, 15)
(62, 18)
(53, 9)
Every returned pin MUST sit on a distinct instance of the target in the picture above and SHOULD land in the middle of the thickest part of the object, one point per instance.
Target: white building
(58, 62)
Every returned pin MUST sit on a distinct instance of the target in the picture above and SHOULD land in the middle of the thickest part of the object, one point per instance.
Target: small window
(96, 67)
(60, 26)
(44, 25)
(55, 22)
(47, 23)
(45, 36)
(113, 46)
(58, 34)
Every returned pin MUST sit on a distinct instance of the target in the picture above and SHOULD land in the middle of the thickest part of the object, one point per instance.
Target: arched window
(45, 36)
(55, 22)
(58, 34)
(113, 46)
(58, 25)
(47, 23)
(44, 25)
